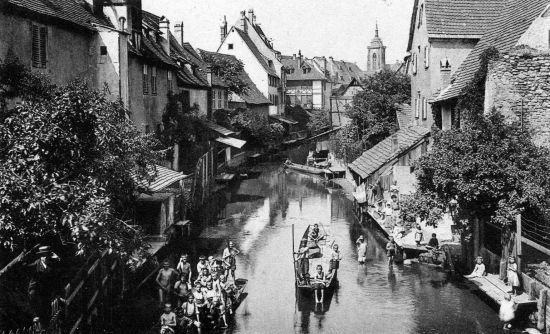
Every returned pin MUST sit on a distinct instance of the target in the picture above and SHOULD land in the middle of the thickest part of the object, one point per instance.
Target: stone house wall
(518, 86)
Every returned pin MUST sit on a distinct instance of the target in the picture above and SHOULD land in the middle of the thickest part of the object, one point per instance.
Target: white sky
(342, 29)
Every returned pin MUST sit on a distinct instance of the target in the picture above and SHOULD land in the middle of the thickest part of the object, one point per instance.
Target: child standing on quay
(512, 274)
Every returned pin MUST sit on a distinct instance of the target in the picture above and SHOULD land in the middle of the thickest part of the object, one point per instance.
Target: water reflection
(375, 297)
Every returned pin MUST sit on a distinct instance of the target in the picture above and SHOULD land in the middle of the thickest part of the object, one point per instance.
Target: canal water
(373, 298)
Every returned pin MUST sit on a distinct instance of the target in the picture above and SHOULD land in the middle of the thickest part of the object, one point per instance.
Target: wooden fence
(89, 299)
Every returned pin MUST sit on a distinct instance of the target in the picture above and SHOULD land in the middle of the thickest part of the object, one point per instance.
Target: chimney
(300, 57)
(445, 73)
(209, 75)
(251, 16)
(223, 29)
(95, 5)
(164, 27)
(178, 28)
(394, 143)
(242, 22)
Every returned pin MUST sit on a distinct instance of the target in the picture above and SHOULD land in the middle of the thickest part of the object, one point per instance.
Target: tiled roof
(162, 177)
(69, 11)
(403, 115)
(460, 17)
(342, 89)
(456, 18)
(185, 76)
(345, 69)
(256, 52)
(379, 155)
(513, 20)
(252, 95)
(150, 47)
(298, 65)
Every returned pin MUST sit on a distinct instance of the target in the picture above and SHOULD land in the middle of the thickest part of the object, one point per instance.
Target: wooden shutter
(35, 45)
(43, 46)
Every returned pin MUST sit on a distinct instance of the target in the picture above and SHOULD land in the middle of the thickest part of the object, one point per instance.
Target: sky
(341, 29)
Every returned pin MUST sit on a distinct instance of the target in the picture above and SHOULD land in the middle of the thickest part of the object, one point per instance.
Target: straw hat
(44, 250)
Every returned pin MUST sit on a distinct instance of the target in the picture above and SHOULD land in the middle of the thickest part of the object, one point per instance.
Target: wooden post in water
(541, 306)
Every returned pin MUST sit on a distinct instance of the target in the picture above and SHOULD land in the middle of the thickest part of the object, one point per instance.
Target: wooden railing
(92, 294)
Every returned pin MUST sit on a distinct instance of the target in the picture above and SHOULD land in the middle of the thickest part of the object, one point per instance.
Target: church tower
(376, 60)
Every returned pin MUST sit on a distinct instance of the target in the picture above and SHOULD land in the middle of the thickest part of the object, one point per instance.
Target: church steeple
(376, 55)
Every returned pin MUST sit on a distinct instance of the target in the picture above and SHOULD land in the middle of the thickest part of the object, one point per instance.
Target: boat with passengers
(316, 262)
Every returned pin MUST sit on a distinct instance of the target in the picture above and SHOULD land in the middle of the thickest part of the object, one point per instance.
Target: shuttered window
(170, 82)
(39, 45)
(154, 80)
(145, 80)
(425, 108)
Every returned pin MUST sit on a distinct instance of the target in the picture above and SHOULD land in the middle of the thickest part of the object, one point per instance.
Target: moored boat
(303, 168)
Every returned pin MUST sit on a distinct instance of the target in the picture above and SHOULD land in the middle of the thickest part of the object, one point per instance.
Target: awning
(164, 177)
(284, 119)
(233, 142)
(218, 128)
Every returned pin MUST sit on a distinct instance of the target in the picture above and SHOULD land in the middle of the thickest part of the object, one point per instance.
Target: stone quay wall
(518, 86)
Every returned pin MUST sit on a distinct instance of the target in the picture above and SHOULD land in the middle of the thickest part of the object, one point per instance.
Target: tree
(491, 168)
(373, 112)
(68, 166)
(257, 129)
(229, 70)
(318, 122)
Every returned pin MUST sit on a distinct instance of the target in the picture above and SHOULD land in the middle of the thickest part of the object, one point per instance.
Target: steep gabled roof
(312, 73)
(68, 11)
(252, 47)
(404, 115)
(456, 18)
(380, 154)
(504, 33)
(252, 95)
(185, 54)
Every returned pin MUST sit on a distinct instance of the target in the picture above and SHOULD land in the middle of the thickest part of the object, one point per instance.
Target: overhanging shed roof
(383, 152)
(233, 142)
(218, 128)
(284, 119)
(163, 178)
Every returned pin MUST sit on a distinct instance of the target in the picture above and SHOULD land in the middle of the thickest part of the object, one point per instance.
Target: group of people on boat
(201, 300)
(320, 279)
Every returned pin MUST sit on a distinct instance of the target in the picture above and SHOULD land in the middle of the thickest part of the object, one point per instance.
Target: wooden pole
(541, 306)
(518, 242)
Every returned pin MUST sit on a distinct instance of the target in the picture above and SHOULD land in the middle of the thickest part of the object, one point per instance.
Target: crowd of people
(195, 299)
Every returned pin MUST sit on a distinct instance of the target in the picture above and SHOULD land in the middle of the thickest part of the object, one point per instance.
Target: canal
(374, 298)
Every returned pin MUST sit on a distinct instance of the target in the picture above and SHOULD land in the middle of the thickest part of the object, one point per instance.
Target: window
(145, 80)
(426, 56)
(374, 65)
(304, 70)
(416, 111)
(102, 50)
(147, 129)
(39, 46)
(230, 46)
(270, 63)
(425, 108)
(170, 82)
(414, 59)
(220, 99)
(153, 80)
